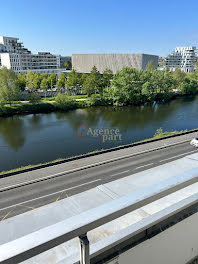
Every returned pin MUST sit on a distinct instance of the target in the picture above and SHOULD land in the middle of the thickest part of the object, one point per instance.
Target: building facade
(114, 62)
(14, 56)
(183, 58)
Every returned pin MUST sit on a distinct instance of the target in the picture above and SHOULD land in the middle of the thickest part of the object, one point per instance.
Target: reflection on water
(12, 132)
(32, 139)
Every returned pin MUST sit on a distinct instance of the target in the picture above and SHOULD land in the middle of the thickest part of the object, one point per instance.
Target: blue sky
(92, 26)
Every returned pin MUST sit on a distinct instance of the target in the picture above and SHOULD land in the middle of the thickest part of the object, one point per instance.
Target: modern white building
(183, 58)
(14, 56)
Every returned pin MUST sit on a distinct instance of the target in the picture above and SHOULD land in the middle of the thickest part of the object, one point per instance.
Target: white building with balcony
(14, 56)
(183, 58)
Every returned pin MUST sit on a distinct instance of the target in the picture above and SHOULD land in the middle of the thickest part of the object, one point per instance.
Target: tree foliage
(93, 82)
(61, 81)
(68, 65)
(21, 81)
(73, 81)
(30, 81)
(45, 84)
(34, 98)
(132, 86)
(9, 90)
(127, 86)
(150, 66)
(52, 80)
(107, 77)
(64, 102)
(188, 86)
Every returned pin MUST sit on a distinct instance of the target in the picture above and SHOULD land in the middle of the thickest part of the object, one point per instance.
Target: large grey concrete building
(114, 62)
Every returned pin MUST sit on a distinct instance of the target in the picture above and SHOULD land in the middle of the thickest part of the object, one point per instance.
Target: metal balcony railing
(77, 226)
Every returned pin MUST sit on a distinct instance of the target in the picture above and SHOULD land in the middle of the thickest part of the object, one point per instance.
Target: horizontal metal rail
(76, 226)
(136, 228)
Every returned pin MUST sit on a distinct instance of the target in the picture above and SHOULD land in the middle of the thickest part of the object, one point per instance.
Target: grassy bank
(10, 110)
(52, 104)
(159, 134)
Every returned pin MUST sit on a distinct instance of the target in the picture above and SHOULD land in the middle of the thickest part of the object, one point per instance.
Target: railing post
(84, 249)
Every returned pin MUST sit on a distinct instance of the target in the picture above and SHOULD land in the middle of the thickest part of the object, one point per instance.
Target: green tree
(147, 90)
(93, 82)
(9, 90)
(52, 79)
(61, 81)
(64, 102)
(88, 86)
(150, 66)
(106, 78)
(167, 85)
(83, 77)
(68, 65)
(44, 76)
(194, 75)
(188, 86)
(21, 81)
(37, 81)
(162, 84)
(96, 77)
(179, 76)
(196, 64)
(73, 81)
(45, 84)
(34, 98)
(30, 81)
(126, 87)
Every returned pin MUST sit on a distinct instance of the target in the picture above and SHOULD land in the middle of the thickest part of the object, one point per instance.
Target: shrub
(34, 98)
(159, 132)
(96, 100)
(64, 102)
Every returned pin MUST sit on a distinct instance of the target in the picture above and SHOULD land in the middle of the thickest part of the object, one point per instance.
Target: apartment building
(183, 58)
(15, 56)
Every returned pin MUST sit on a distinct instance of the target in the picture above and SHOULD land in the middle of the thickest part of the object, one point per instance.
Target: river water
(33, 139)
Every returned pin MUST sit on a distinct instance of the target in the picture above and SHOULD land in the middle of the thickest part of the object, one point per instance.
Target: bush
(34, 98)
(96, 100)
(2, 103)
(159, 132)
(64, 102)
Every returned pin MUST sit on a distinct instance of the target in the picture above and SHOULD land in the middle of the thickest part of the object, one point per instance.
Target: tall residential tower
(183, 58)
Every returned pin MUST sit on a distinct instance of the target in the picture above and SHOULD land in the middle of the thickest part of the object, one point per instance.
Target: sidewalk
(89, 161)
